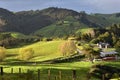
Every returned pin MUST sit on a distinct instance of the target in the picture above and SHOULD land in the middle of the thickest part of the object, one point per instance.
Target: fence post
(55, 77)
(48, 74)
(28, 70)
(103, 77)
(27, 77)
(11, 70)
(19, 70)
(60, 75)
(74, 74)
(88, 76)
(1, 69)
(38, 74)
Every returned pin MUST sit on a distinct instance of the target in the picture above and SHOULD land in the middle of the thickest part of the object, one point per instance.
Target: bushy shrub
(26, 53)
(67, 48)
(2, 53)
(108, 72)
(117, 46)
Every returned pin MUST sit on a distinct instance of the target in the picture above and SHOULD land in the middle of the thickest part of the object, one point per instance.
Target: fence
(41, 75)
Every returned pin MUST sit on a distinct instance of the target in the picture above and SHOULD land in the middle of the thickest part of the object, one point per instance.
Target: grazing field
(66, 69)
(46, 51)
(42, 51)
(85, 30)
(82, 68)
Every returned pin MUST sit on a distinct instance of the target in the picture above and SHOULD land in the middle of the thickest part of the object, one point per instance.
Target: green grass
(109, 49)
(20, 35)
(17, 35)
(62, 66)
(42, 51)
(82, 68)
(85, 30)
(61, 30)
(47, 51)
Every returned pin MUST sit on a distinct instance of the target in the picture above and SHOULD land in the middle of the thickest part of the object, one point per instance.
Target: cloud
(94, 6)
(107, 6)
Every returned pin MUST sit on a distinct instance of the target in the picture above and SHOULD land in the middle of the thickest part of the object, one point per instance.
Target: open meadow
(59, 40)
(44, 51)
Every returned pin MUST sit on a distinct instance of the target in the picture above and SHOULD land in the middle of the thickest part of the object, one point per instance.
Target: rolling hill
(42, 51)
(53, 21)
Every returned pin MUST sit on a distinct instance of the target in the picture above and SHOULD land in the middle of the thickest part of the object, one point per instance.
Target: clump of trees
(67, 48)
(8, 41)
(103, 72)
(117, 46)
(110, 35)
(90, 52)
(14, 42)
(2, 53)
(25, 54)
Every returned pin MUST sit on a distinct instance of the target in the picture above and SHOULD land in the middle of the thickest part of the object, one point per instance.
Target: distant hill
(53, 21)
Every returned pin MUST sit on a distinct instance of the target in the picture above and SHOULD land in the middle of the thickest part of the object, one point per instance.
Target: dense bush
(2, 53)
(67, 48)
(90, 52)
(14, 42)
(104, 71)
(25, 53)
(117, 46)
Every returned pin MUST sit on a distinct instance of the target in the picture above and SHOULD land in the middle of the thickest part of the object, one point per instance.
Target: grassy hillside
(85, 30)
(61, 28)
(39, 19)
(43, 51)
(17, 35)
(20, 35)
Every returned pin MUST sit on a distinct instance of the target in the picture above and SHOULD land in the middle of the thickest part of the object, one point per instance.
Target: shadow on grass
(66, 74)
(11, 55)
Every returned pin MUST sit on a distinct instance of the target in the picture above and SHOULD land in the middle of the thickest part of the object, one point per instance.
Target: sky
(89, 6)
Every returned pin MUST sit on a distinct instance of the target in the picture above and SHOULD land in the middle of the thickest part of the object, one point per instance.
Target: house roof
(102, 54)
(101, 43)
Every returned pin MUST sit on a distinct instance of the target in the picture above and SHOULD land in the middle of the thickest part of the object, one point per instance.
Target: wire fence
(27, 74)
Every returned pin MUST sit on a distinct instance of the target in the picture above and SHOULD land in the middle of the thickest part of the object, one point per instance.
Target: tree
(106, 37)
(96, 52)
(2, 53)
(114, 39)
(67, 48)
(26, 53)
(87, 50)
(117, 46)
(86, 36)
(103, 72)
(115, 28)
(91, 52)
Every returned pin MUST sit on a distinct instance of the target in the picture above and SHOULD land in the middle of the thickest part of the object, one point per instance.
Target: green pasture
(82, 68)
(66, 68)
(47, 51)
(42, 51)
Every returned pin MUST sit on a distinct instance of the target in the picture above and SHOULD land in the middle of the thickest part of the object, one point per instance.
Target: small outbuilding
(103, 45)
(111, 53)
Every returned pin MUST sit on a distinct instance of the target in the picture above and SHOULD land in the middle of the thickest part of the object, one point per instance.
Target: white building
(104, 54)
(102, 45)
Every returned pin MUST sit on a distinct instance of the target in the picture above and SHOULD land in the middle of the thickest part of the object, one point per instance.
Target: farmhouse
(103, 54)
(102, 45)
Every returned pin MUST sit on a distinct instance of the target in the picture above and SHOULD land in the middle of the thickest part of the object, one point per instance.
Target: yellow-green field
(47, 51)
(42, 51)
(82, 68)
